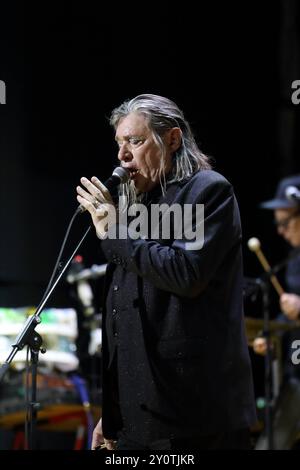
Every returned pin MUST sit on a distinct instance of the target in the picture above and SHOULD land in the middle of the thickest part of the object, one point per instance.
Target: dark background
(228, 65)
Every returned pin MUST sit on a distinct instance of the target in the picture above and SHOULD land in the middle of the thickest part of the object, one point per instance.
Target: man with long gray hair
(176, 369)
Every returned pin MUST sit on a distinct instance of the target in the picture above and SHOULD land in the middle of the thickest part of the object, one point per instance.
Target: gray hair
(163, 114)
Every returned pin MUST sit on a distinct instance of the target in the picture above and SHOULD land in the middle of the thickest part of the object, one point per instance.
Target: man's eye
(135, 140)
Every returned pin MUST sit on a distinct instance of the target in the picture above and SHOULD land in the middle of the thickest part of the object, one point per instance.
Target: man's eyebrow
(129, 136)
(126, 137)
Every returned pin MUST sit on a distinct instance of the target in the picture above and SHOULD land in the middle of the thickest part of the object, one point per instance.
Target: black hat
(280, 200)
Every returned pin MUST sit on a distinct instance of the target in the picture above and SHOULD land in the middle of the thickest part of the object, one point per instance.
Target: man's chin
(144, 186)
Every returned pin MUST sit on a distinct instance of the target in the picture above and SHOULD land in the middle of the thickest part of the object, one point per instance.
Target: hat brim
(277, 204)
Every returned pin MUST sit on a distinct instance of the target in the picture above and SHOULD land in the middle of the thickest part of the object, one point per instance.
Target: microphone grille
(122, 173)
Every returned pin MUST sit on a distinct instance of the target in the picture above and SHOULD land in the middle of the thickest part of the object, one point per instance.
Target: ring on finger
(96, 202)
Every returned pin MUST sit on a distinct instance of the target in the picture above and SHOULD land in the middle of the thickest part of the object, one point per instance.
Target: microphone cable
(57, 266)
(119, 175)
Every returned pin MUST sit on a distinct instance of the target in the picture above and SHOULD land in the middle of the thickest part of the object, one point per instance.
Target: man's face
(288, 225)
(139, 152)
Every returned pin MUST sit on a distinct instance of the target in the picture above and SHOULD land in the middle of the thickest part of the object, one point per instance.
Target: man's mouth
(133, 172)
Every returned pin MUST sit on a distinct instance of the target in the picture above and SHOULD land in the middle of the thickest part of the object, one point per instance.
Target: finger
(88, 205)
(96, 442)
(97, 439)
(100, 186)
(101, 211)
(92, 189)
(85, 194)
(110, 445)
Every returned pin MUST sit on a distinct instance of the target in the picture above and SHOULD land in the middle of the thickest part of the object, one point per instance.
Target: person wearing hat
(286, 210)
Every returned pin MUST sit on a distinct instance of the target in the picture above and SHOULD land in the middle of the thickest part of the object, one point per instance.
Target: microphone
(119, 175)
(292, 193)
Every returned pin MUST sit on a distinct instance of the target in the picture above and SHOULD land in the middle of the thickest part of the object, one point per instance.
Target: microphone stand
(264, 287)
(28, 336)
(264, 283)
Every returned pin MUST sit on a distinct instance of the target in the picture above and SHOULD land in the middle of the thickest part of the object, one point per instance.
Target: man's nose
(124, 154)
(280, 230)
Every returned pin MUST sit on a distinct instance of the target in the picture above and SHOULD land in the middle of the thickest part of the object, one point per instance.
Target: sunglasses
(285, 222)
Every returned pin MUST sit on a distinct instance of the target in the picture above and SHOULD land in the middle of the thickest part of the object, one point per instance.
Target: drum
(61, 410)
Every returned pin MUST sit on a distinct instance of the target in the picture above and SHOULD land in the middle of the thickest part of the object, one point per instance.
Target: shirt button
(115, 335)
(116, 288)
(114, 311)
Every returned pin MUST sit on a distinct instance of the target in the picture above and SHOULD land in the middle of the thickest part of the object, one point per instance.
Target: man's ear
(174, 138)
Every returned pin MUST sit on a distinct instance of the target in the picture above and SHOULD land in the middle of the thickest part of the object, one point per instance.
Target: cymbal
(274, 325)
(255, 327)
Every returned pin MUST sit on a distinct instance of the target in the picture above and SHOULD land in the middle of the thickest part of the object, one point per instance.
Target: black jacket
(179, 337)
